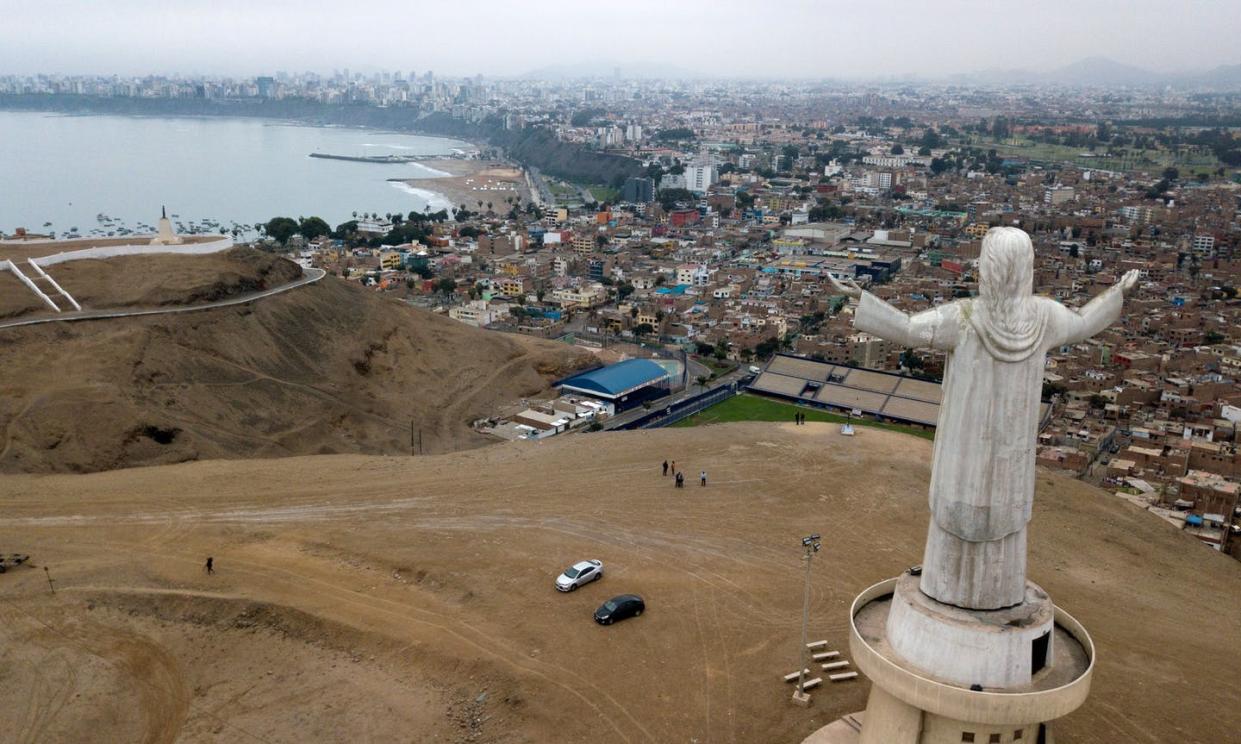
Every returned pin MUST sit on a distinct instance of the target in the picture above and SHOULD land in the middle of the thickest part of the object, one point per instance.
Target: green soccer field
(747, 407)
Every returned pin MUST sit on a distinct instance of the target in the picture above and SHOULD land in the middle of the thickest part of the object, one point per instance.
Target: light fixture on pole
(810, 546)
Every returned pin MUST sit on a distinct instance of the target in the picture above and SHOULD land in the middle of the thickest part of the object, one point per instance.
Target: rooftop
(617, 379)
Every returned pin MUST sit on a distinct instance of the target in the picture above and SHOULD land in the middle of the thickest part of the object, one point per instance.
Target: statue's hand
(1129, 280)
(848, 288)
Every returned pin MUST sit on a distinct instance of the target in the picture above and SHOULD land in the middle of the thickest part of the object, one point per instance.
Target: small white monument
(164, 234)
(964, 648)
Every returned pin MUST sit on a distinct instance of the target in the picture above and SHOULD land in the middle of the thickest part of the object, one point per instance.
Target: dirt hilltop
(326, 368)
(410, 599)
(157, 280)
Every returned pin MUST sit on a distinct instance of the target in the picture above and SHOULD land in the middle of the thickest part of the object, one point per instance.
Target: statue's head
(1007, 316)
(1006, 266)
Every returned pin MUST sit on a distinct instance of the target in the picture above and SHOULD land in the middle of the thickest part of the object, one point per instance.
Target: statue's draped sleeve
(1069, 326)
(937, 328)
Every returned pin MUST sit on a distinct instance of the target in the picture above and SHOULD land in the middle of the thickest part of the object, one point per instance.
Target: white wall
(214, 246)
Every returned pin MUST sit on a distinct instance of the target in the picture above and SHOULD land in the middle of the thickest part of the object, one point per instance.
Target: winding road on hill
(310, 277)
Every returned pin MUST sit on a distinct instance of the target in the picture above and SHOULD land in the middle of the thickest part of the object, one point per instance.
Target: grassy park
(749, 407)
(1188, 160)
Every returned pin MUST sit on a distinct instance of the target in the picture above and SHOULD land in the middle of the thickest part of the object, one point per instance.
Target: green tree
(345, 230)
(674, 133)
(767, 347)
(1052, 388)
(898, 149)
(446, 286)
(281, 229)
(314, 227)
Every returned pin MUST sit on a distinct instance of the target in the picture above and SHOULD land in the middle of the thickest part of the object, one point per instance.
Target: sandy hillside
(409, 599)
(326, 368)
(150, 281)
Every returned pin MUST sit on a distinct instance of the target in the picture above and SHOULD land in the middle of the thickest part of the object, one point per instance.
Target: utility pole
(810, 546)
(50, 585)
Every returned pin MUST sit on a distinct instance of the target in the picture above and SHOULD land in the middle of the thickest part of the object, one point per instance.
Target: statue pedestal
(990, 648)
(913, 704)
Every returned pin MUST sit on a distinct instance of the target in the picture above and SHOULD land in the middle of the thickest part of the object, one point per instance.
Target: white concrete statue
(982, 476)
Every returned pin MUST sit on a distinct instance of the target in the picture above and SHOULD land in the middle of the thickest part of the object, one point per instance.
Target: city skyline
(718, 40)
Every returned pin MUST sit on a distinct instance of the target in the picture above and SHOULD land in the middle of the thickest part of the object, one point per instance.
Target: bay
(68, 170)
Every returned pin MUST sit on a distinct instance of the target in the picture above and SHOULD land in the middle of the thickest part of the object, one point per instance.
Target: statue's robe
(982, 476)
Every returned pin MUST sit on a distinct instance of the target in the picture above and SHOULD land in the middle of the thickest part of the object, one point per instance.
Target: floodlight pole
(810, 546)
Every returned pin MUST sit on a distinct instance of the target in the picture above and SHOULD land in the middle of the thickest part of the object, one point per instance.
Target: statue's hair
(1006, 287)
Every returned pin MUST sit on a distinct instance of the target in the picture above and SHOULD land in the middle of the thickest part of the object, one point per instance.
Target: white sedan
(578, 574)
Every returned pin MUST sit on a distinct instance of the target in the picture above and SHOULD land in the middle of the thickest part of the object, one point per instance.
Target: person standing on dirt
(680, 479)
(210, 565)
(665, 468)
(702, 478)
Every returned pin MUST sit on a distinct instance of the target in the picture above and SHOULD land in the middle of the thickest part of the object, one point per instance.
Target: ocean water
(67, 170)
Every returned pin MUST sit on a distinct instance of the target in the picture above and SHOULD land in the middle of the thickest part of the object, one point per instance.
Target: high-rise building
(638, 191)
(699, 177)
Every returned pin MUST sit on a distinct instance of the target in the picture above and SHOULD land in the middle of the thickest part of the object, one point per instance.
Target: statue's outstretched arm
(1071, 326)
(937, 328)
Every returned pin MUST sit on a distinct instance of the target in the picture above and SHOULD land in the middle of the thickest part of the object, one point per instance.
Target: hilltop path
(311, 276)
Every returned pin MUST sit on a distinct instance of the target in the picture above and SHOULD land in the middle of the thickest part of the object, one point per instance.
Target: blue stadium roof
(617, 379)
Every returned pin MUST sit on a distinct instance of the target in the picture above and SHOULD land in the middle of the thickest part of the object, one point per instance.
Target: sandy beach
(468, 183)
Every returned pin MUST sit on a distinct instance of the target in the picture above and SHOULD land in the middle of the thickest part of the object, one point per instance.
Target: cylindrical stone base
(995, 649)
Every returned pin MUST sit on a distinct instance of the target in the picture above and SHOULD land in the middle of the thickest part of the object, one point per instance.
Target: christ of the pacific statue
(982, 473)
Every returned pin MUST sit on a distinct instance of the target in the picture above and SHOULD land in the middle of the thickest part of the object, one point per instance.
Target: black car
(619, 608)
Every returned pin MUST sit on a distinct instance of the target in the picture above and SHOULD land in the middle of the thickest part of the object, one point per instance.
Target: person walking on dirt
(680, 480)
(665, 468)
(702, 478)
(210, 565)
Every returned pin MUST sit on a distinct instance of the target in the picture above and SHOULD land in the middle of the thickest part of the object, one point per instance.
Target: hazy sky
(750, 38)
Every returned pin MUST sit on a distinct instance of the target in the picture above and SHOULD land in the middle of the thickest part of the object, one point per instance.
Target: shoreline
(271, 120)
(413, 196)
(469, 181)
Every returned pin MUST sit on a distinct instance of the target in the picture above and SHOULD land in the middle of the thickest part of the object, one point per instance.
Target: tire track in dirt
(475, 639)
